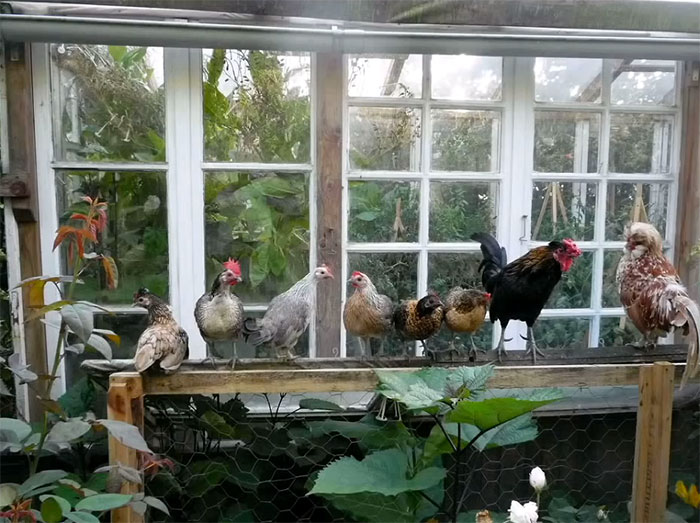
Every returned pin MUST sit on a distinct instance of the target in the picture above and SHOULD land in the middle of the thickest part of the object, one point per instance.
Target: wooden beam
(125, 403)
(359, 379)
(652, 443)
(329, 236)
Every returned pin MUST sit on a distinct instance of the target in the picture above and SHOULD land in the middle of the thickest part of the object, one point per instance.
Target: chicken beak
(239, 279)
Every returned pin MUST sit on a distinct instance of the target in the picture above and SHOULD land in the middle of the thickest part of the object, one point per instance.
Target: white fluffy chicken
(652, 293)
(367, 314)
(164, 341)
(287, 317)
(219, 312)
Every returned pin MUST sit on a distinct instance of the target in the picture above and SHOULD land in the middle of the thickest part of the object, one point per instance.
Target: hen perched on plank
(520, 289)
(652, 293)
(287, 317)
(164, 341)
(419, 319)
(367, 313)
(219, 312)
(465, 311)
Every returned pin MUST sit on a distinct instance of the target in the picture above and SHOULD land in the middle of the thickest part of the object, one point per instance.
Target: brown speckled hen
(367, 314)
(419, 319)
(652, 293)
(164, 341)
(465, 311)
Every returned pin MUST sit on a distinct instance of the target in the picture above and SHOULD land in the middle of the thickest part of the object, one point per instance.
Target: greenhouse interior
(405, 261)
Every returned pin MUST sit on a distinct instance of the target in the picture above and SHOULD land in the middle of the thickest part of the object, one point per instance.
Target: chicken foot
(501, 348)
(531, 346)
(474, 349)
(427, 352)
(213, 356)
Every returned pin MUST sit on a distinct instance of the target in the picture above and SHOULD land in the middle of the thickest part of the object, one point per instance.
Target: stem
(455, 486)
(452, 444)
(279, 403)
(432, 501)
(471, 442)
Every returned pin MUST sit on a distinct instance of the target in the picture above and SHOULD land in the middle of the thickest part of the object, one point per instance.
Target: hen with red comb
(367, 314)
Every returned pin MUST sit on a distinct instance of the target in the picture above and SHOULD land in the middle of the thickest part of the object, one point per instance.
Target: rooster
(652, 293)
(287, 317)
(219, 313)
(465, 311)
(520, 289)
(419, 319)
(367, 313)
(163, 341)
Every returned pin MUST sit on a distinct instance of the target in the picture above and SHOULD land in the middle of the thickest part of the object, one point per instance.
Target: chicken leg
(427, 352)
(531, 346)
(501, 348)
(474, 349)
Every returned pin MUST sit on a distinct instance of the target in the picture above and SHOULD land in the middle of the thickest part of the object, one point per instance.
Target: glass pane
(394, 274)
(256, 106)
(384, 138)
(459, 209)
(136, 235)
(635, 202)
(644, 82)
(109, 103)
(446, 271)
(568, 79)
(566, 142)
(385, 75)
(466, 77)
(383, 211)
(574, 289)
(617, 332)
(640, 143)
(611, 294)
(561, 333)
(465, 140)
(261, 219)
(563, 210)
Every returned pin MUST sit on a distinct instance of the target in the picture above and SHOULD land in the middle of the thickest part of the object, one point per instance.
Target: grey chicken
(219, 312)
(287, 317)
(164, 341)
(367, 314)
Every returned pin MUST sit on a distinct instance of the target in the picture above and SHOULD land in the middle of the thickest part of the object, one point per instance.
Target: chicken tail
(494, 257)
(687, 313)
(254, 333)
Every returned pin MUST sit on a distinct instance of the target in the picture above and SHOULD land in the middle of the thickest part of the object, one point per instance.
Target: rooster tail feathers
(689, 309)
(494, 256)
(253, 332)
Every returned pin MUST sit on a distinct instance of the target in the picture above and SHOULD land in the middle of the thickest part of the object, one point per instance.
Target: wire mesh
(256, 457)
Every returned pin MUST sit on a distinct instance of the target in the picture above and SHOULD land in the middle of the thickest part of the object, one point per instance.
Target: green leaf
(51, 511)
(8, 494)
(369, 433)
(436, 445)
(317, 404)
(217, 427)
(370, 507)
(82, 517)
(383, 472)
(65, 431)
(64, 503)
(80, 320)
(101, 345)
(79, 398)
(367, 216)
(157, 504)
(40, 479)
(259, 268)
(102, 502)
(117, 52)
(127, 434)
(518, 430)
(14, 430)
(277, 261)
(489, 413)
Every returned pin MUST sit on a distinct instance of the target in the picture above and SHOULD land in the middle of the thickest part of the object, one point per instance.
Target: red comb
(571, 245)
(488, 295)
(357, 273)
(233, 265)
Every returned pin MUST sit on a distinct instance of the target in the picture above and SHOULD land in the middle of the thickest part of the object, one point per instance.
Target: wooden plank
(688, 230)
(329, 235)
(344, 380)
(125, 403)
(653, 443)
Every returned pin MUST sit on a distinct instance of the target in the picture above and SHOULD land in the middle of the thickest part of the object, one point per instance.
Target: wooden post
(653, 443)
(329, 132)
(125, 403)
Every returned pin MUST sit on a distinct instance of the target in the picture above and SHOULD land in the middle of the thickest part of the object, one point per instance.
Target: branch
(439, 423)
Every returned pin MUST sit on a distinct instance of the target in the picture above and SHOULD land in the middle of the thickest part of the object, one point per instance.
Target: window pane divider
(416, 103)
(598, 108)
(257, 166)
(593, 177)
(109, 166)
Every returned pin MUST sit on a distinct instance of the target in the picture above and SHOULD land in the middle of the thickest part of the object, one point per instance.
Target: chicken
(465, 311)
(652, 293)
(419, 319)
(163, 341)
(287, 317)
(520, 289)
(367, 313)
(219, 312)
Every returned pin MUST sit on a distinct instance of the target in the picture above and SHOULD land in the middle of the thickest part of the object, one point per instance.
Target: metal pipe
(512, 42)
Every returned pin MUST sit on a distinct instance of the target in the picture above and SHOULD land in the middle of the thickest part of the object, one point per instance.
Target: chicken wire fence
(257, 457)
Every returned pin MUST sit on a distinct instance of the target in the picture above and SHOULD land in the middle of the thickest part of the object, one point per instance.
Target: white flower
(537, 479)
(526, 513)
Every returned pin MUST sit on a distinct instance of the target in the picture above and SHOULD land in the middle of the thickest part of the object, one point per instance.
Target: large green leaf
(82, 517)
(368, 432)
(101, 345)
(127, 434)
(518, 430)
(8, 494)
(490, 413)
(216, 425)
(39, 480)
(317, 404)
(14, 430)
(65, 431)
(51, 510)
(374, 507)
(383, 472)
(80, 320)
(102, 502)
(79, 397)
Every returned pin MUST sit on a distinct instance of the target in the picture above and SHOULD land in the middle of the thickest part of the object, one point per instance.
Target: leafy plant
(410, 474)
